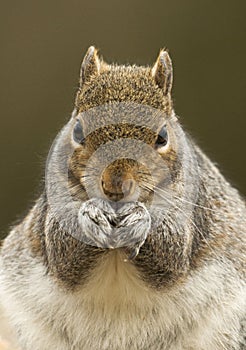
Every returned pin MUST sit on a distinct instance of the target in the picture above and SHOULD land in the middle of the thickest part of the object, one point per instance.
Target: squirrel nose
(117, 187)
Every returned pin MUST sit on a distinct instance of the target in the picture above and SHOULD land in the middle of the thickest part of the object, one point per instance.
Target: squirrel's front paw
(133, 226)
(106, 227)
(95, 218)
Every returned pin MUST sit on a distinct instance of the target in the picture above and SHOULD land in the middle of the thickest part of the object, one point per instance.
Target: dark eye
(162, 137)
(78, 134)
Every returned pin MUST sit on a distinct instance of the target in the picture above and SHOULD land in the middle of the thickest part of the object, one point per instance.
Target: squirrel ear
(90, 66)
(162, 72)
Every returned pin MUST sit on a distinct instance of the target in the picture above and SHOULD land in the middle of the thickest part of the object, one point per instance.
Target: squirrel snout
(117, 185)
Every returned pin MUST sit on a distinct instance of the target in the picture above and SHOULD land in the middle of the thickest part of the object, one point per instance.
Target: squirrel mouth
(114, 196)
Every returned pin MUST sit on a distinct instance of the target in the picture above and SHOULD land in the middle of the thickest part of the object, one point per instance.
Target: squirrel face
(124, 151)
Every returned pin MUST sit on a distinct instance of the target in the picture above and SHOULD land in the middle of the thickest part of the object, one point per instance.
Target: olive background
(43, 43)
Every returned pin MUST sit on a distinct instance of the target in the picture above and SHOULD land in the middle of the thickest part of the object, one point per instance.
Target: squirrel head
(124, 102)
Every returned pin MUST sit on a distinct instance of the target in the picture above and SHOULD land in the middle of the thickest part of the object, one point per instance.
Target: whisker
(186, 201)
(188, 218)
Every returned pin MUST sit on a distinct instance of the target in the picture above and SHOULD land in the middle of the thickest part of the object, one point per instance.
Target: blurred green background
(43, 42)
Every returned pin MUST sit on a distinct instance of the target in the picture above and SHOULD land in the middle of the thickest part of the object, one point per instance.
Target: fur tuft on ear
(162, 72)
(90, 66)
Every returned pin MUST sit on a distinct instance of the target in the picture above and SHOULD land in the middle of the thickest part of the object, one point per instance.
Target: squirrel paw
(106, 227)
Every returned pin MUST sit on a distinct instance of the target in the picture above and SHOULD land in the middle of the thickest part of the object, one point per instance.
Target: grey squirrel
(137, 241)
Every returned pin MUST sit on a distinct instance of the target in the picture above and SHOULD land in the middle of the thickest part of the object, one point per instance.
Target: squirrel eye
(78, 134)
(162, 138)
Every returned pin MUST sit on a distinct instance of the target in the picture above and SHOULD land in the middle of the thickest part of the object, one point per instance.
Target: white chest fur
(116, 311)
